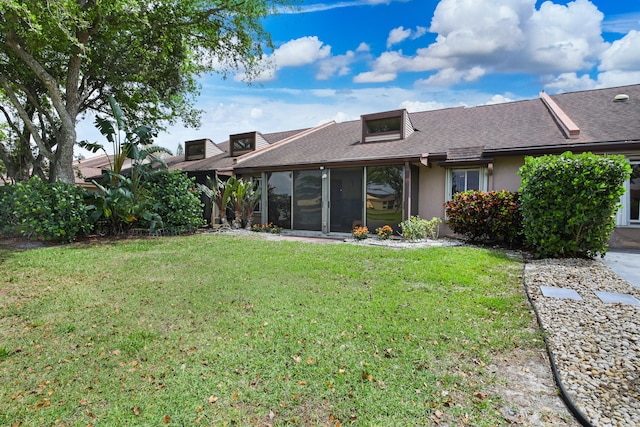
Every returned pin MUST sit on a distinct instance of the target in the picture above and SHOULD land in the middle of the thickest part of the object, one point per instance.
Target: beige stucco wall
(505, 174)
(432, 187)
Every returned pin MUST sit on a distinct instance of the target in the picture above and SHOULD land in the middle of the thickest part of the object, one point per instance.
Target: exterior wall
(505, 174)
(432, 185)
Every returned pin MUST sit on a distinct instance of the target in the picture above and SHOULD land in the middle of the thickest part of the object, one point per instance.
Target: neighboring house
(388, 166)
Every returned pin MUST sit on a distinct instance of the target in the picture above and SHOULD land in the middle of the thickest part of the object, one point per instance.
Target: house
(387, 166)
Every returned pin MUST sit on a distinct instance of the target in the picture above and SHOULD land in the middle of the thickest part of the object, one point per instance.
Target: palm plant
(121, 201)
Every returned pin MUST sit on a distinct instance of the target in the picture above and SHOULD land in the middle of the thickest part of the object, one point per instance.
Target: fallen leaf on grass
(166, 419)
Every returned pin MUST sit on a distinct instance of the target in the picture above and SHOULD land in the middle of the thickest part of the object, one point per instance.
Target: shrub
(569, 202)
(480, 216)
(176, 199)
(416, 228)
(36, 209)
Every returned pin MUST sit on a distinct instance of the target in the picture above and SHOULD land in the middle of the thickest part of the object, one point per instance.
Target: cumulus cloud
(338, 64)
(399, 34)
(477, 37)
(623, 54)
(294, 53)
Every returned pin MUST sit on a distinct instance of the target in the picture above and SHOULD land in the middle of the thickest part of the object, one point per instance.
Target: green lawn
(227, 330)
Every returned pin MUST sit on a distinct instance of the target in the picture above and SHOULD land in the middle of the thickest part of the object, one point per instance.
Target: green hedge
(39, 210)
(569, 202)
(486, 217)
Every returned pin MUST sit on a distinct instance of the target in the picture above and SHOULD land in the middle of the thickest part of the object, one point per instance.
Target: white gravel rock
(595, 344)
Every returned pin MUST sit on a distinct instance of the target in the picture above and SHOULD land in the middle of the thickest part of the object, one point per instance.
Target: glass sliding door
(307, 200)
(279, 199)
(346, 199)
(385, 196)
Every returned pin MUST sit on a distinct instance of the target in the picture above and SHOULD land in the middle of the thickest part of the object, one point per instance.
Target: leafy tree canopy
(62, 58)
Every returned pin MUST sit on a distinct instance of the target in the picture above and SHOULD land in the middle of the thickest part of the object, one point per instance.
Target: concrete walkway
(626, 264)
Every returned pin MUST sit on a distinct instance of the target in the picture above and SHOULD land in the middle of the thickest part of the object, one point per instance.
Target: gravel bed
(596, 345)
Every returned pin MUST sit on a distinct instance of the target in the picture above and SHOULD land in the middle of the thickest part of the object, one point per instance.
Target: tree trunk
(62, 166)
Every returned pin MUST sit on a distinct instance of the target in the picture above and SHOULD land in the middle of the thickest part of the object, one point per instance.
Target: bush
(36, 209)
(490, 217)
(569, 202)
(176, 199)
(416, 228)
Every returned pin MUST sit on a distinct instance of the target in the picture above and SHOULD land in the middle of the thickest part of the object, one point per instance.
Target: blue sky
(337, 60)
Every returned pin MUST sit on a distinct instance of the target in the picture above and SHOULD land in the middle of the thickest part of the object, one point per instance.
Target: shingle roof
(522, 125)
(224, 160)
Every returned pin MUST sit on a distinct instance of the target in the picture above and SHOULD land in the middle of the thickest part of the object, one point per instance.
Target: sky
(338, 60)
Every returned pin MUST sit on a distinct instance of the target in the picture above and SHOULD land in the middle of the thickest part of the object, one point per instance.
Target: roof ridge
(570, 129)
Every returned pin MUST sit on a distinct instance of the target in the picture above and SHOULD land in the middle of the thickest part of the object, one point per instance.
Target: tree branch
(25, 118)
(47, 79)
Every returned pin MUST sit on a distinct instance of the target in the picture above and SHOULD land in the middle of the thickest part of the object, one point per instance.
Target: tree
(61, 59)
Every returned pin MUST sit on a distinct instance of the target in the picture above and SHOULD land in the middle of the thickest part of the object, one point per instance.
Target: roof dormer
(198, 149)
(387, 126)
(243, 143)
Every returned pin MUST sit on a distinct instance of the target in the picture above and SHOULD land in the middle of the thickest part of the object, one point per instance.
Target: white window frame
(483, 179)
(623, 216)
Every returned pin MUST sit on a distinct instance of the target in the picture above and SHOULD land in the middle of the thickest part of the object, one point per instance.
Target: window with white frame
(459, 180)
(634, 194)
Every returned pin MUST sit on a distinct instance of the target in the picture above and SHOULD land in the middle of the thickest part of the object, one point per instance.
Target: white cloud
(338, 64)
(498, 99)
(477, 37)
(363, 47)
(294, 53)
(414, 106)
(397, 35)
(623, 54)
(374, 77)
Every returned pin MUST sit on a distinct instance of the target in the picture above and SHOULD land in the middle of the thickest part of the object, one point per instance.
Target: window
(459, 180)
(634, 194)
(390, 125)
(195, 150)
(279, 198)
(242, 143)
(385, 194)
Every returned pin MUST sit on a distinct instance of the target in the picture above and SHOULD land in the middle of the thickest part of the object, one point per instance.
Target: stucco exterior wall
(505, 174)
(432, 188)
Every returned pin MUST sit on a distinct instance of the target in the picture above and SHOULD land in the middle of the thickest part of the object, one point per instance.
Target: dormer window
(194, 150)
(242, 143)
(386, 126)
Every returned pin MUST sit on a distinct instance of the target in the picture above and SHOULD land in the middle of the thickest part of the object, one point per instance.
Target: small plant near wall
(360, 232)
(266, 228)
(416, 228)
(385, 232)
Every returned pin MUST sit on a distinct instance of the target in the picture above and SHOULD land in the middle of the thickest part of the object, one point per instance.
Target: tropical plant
(122, 200)
(493, 216)
(416, 228)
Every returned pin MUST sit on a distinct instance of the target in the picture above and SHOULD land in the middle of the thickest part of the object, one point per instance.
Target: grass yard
(230, 330)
